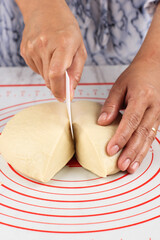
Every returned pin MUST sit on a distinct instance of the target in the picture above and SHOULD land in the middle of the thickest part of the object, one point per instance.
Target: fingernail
(103, 117)
(125, 164)
(135, 166)
(114, 150)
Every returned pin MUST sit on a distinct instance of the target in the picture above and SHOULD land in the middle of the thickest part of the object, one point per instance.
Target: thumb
(112, 105)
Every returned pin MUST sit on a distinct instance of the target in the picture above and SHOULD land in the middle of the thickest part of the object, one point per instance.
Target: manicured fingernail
(125, 164)
(103, 117)
(114, 150)
(134, 166)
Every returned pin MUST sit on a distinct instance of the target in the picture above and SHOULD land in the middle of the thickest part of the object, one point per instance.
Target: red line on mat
(53, 193)
(83, 193)
(46, 185)
(97, 185)
(77, 232)
(6, 118)
(49, 99)
(106, 205)
(20, 104)
(43, 85)
(157, 140)
(81, 216)
(72, 224)
(89, 200)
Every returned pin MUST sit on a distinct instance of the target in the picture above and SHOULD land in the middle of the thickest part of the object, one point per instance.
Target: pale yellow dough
(91, 139)
(37, 141)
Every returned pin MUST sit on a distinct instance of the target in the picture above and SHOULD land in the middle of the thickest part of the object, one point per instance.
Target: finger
(38, 63)
(138, 160)
(128, 124)
(112, 104)
(137, 140)
(61, 60)
(46, 58)
(33, 57)
(41, 53)
(76, 69)
(28, 60)
(32, 65)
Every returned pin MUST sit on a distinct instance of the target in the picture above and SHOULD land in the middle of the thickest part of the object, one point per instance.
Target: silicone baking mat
(76, 204)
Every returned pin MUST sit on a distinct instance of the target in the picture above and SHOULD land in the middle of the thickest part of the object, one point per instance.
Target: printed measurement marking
(8, 93)
(80, 91)
(22, 93)
(95, 91)
(37, 93)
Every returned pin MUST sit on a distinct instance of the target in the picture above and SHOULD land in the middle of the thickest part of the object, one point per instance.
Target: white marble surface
(21, 75)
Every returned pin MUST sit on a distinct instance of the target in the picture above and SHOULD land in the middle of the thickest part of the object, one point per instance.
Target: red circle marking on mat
(40, 101)
(43, 85)
(86, 180)
(77, 232)
(2, 125)
(107, 205)
(72, 224)
(104, 229)
(81, 193)
(157, 140)
(15, 110)
(46, 185)
(58, 193)
(20, 104)
(81, 216)
(6, 118)
(89, 200)
(46, 100)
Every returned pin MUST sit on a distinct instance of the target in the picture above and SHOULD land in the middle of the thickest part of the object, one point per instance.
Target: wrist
(150, 56)
(150, 49)
(28, 7)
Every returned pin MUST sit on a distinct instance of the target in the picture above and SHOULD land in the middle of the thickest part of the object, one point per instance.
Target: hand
(52, 43)
(138, 90)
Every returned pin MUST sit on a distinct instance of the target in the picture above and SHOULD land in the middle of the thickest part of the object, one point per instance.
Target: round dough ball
(37, 141)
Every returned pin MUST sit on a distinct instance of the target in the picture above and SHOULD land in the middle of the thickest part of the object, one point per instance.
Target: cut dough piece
(37, 141)
(91, 139)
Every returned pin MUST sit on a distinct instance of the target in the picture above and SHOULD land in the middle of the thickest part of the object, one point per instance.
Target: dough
(37, 141)
(91, 139)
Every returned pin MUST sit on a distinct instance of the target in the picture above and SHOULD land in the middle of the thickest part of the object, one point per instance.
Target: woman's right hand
(52, 43)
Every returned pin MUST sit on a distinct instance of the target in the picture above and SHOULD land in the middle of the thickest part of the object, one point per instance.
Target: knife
(68, 103)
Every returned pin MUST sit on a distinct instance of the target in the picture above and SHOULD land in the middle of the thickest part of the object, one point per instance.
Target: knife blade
(68, 103)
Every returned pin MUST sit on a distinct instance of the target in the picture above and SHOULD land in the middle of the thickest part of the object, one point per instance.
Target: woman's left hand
(138, 90)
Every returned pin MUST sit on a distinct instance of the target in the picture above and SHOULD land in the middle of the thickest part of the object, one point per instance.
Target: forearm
(150, 49)
(27, 7)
